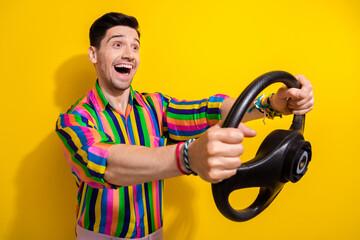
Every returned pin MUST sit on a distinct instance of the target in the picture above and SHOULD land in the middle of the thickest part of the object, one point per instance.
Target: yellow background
(189, 49)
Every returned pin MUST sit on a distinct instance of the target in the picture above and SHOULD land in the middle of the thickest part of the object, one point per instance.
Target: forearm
(130, 165)
(229, 102)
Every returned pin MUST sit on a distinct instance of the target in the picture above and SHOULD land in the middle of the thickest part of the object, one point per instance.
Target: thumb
(295, 93)
(248, 132)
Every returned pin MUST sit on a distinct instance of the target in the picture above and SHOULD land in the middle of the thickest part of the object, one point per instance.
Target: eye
(116, 44)
(135, 47)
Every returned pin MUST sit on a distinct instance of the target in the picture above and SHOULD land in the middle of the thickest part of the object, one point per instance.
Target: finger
(302, 80)
(225, 174)
(305, 83)
(295, 93)
(226, 135)
(221, 149)
(226, 163)
(303, 107)
(298, 103)
(220, 175)
(303, 111)
(248, 132)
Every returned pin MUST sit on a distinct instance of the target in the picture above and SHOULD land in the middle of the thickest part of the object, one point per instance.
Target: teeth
(124, 66)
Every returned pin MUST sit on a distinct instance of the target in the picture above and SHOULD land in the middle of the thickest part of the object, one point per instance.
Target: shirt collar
(101, 102)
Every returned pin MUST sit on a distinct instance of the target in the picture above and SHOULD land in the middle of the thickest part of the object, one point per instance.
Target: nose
(128, 53)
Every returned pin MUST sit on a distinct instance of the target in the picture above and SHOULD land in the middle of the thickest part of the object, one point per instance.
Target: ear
(92, 54)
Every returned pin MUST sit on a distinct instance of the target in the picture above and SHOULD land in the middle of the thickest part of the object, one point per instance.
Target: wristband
(185, 156)
(262, 104)
(178, 159)
(270, 113)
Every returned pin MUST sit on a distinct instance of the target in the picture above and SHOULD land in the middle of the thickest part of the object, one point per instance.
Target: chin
(122, 86)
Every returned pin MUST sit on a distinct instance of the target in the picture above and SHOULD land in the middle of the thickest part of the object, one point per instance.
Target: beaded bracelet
(178, 159)
(185, 156)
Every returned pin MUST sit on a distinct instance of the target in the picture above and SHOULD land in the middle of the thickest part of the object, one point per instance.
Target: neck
(119, 99)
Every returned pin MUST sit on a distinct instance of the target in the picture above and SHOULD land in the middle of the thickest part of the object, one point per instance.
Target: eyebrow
(121, 36)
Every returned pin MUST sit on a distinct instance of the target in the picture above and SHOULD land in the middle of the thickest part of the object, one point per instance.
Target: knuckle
(237, 134)
(212, 148)
(293, 92)
(236, 162)
(241, 150)
(213, 175)
(240, 134)
(212, 134)
(237, 150)
(210, 164)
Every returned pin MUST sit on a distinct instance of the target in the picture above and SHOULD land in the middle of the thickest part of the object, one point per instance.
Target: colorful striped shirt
(89, 129)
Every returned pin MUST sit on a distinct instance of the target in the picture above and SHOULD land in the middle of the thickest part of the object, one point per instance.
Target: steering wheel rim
(237, 112)
(245, 99)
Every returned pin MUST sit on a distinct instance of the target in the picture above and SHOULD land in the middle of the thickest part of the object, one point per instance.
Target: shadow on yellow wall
(45, 204)
(45, 191)
(45, 187)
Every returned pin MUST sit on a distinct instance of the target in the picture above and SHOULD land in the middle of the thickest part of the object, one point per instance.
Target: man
(120, 144)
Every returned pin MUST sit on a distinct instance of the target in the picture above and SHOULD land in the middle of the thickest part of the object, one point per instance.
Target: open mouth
(123, 68)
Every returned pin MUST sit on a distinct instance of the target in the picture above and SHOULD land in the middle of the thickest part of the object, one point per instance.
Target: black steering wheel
(283, 156)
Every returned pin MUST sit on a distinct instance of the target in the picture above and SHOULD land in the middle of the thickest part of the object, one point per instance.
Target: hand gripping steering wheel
(283, 156)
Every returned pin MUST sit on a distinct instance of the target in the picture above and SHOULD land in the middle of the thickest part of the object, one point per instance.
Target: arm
(214, 156)
(293, 100)
(99, 162)
(85, 148)
(128, 165)
(286, 101)
(227, 104)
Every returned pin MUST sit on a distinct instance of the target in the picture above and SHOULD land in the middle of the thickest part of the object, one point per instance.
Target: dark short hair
(99, 28)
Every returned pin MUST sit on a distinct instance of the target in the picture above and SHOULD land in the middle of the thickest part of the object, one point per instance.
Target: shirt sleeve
(85, 147)
(183, 120)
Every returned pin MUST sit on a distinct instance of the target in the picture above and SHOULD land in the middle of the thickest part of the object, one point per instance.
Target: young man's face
(117, 60)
